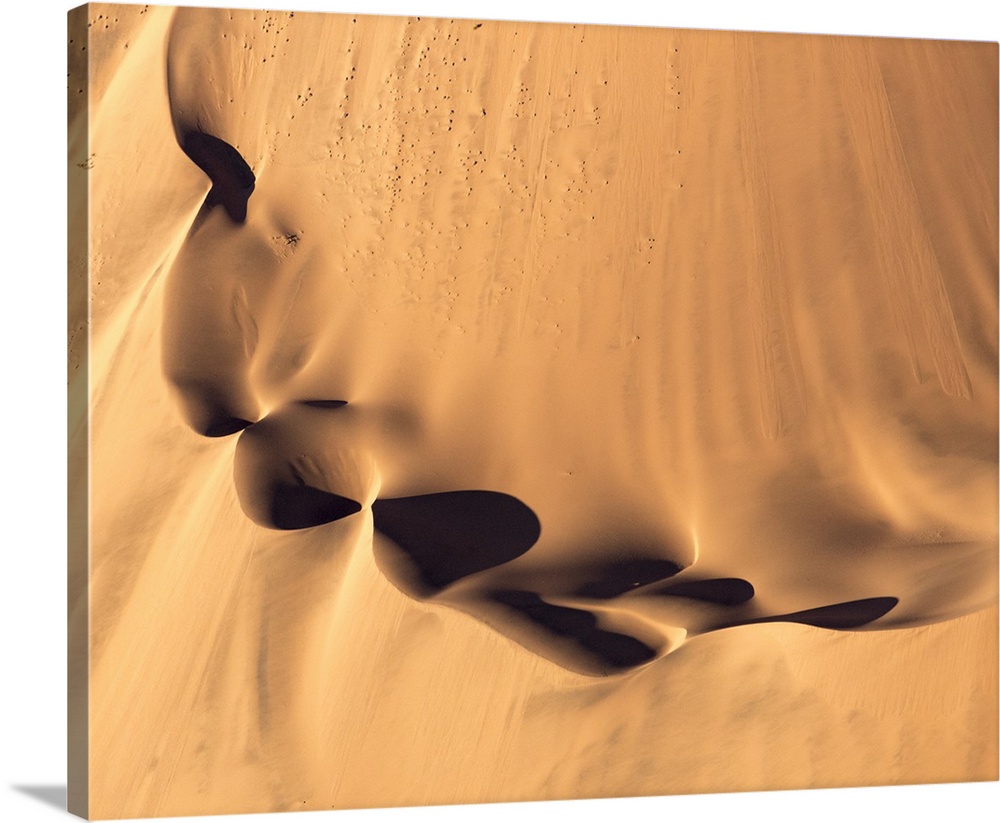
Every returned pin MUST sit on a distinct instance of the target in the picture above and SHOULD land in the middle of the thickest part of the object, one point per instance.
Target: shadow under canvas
(50, 794)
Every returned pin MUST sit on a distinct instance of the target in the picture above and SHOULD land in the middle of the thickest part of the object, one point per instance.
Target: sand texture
(466, 411)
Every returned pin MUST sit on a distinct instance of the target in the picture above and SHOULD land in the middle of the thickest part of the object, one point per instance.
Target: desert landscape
(471, 411)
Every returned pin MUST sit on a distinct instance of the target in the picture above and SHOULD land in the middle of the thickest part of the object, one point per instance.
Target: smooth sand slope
(492, 411)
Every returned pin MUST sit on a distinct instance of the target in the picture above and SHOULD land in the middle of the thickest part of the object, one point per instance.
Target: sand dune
(496, 411)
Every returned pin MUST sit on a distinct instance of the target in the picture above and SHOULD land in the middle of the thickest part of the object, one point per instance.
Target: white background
(32, 382)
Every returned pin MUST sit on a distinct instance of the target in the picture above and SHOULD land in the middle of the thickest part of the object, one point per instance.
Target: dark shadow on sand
(850, 615)
(50, 795)
(302, 507)
(613, 651)
(724, 591)
(444, 537)
(323, 404)
(216, 407)
(232, 178)
(223, 426)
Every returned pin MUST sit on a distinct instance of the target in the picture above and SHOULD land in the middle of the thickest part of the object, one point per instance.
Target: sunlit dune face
(601, 416)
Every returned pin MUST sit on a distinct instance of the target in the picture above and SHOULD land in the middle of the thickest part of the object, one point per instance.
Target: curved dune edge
(668, 312)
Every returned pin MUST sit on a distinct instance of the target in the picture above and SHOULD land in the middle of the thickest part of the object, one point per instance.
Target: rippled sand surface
(495, 411)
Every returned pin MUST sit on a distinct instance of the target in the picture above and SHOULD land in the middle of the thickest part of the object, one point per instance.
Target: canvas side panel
(78, 412)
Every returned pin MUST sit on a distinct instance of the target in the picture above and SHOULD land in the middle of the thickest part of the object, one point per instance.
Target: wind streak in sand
(917, 294)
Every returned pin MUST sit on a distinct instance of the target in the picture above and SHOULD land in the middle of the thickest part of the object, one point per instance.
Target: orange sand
(718, 310)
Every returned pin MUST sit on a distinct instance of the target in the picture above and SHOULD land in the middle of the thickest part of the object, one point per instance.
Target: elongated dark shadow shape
(850, 615)
(444, 537)
(301, 507)
(323, 404)
(222, 426)
(613, 651)
(232, 178)
(725, 591)
(216, 407)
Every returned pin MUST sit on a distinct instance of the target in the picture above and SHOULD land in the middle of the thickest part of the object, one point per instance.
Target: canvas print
(468, 411)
